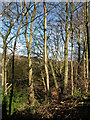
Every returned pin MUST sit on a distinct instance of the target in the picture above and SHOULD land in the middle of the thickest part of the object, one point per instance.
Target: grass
(17, 102)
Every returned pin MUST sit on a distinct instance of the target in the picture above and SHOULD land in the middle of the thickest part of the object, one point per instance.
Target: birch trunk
(45, 47)
(66, 52)
(4, 66)
(28, 44)
(87, 43)
(72, 48)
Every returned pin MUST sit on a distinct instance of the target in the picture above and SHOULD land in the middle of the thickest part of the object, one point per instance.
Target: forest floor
(70, 108)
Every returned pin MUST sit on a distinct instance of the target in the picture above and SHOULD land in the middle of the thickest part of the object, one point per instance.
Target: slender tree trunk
(28, 44)
(4, 54)
(11, 95)
(72, 48)
(72, 69)
(88, 36)
(84, 71)
(31, 87)
(87, 69)
(3, 70)
(45, 47)
(4, 104)
(4, 67)
(79, 49)
(13, 52)
(29, 53)
(5, 77)
(87, 43)
(44, 85)
(79, 44)
(55, 82)
(54, 76)
(75, 73)
(66, 52)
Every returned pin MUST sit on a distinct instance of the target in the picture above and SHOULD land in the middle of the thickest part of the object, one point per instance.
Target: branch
(2, 35)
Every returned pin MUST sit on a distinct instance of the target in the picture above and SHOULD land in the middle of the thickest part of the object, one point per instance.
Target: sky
(21, 49)
(46, 0)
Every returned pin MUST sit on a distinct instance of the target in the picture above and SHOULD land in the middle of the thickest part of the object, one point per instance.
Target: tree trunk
(87, 31)
(72, 48)
(4, 67)
(79, 49)
(28, 44)
(84, 71)
(75, 73)
(87, 43)
(44, 85)
(11, 94)
(13, 52)
(31, 87)
(55, 82)
(45, 47)
(66, 52)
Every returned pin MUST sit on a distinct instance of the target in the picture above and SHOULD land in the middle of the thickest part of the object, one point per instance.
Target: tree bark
(87, 44)
(4, 66)
(28, 44)
(72, 84)
(66, 52)
(79, 49)
(55, 82)
(45, 47)
(87, 30)
(11, 94)
(44, 85)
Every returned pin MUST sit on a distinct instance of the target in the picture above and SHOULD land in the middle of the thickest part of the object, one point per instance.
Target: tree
(72, 83)
(87, 32)
(13, 55)
(28, 45)
(86, 44)
(45, 47)
(66, 51)
(8, 23)
(79, 44)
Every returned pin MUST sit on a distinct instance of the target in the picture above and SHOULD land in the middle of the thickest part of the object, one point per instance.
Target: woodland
(45, 48)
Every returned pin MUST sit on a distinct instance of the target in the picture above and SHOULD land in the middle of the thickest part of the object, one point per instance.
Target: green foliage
(80, 95)
(18, 99)
(77, 93)
(41, 101)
